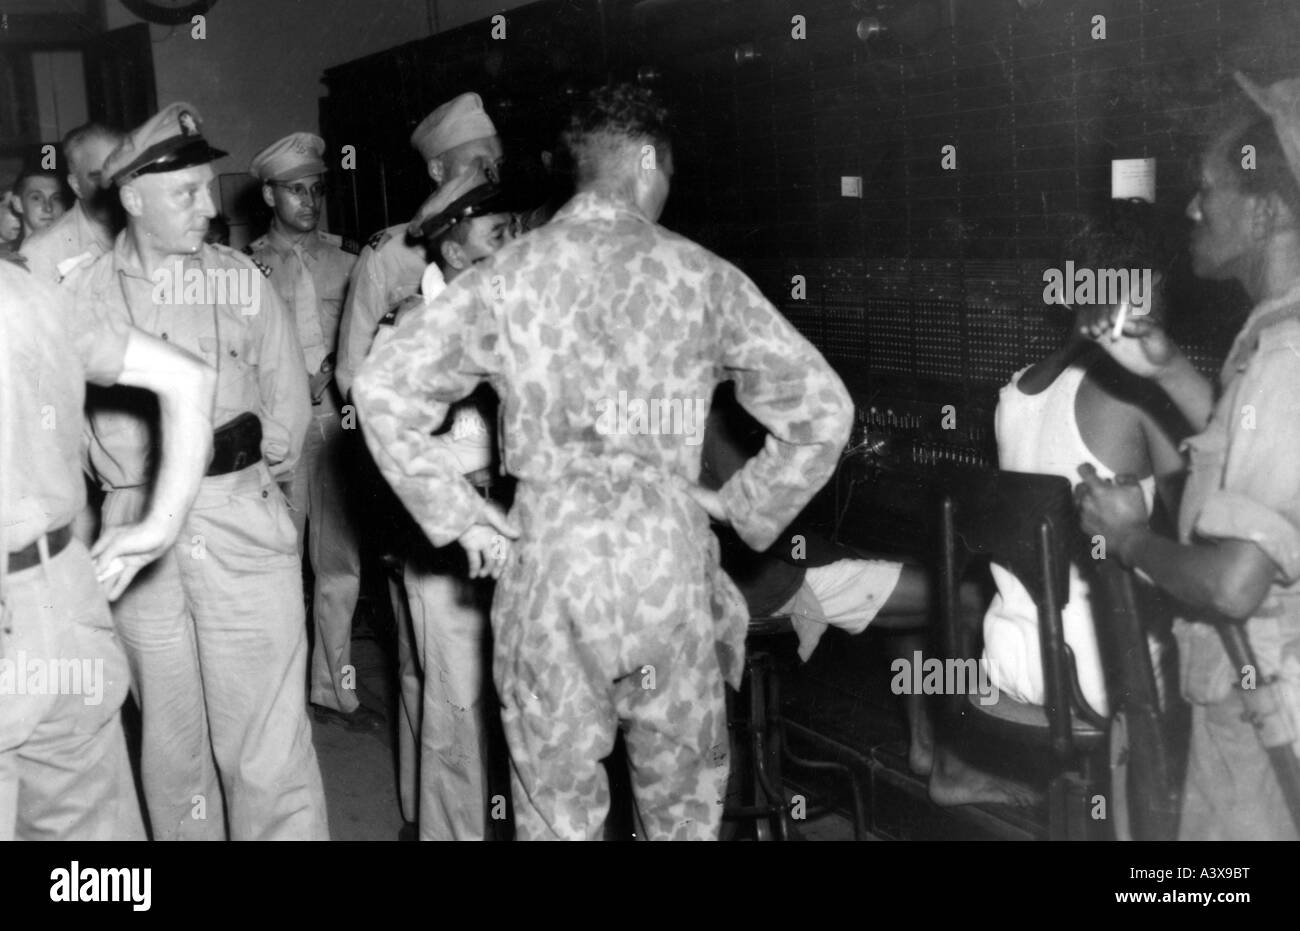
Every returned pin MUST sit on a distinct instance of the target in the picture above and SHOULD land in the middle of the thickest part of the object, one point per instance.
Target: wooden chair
(1024, 523)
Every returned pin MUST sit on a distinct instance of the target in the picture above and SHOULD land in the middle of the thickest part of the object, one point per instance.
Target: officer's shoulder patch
(379, 239)
(241, 258)
(16, 259)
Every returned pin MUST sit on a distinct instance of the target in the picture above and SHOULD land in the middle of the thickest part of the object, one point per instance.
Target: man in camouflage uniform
(309, 270)
(610, 608)
(214, 629)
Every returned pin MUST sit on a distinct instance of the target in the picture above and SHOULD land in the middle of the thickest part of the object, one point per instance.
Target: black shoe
(363, 719)
(408, 831)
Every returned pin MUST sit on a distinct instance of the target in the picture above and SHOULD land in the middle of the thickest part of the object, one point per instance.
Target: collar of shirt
(283, 245)
(589, 205)
(1265, 315)
(127, 263)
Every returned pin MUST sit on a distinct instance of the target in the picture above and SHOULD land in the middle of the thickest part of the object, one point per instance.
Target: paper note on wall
(1133, 179)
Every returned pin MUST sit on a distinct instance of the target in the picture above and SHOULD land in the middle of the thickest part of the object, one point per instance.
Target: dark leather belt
(236, 445)
(30, 555)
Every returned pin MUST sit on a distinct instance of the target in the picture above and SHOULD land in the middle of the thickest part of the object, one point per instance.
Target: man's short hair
(28, 174)
(611, 118)
(87, 131)
(457, 233)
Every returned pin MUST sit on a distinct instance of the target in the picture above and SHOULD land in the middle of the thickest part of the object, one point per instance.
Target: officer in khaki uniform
(460, 146)
(448, 607)
(215, 630)
(458, 142)
(64, 772)
(86, 231)
(309, 270)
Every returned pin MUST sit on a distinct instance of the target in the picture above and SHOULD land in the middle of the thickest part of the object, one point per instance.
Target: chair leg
(765, 786)
(1069, 801)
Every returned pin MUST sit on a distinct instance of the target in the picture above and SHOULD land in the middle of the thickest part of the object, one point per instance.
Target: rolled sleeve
(1229, 515)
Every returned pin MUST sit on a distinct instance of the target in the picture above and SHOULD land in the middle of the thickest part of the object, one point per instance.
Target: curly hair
(610, 119)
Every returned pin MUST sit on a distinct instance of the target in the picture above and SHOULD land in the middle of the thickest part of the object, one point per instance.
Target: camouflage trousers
(602, 620)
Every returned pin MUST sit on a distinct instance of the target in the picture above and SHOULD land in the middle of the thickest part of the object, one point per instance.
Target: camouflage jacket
(605, 336)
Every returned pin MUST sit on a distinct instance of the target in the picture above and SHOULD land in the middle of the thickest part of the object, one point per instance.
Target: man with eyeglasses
(309, 270)
(86, 231)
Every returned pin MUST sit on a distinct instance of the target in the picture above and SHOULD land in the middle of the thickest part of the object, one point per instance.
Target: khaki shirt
(329, 266)
(387, 272)
(237, 324)
(70, 241)
(48, 351)
(1244, 484)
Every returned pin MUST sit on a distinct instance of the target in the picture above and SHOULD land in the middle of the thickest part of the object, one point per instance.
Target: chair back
(1025, 523)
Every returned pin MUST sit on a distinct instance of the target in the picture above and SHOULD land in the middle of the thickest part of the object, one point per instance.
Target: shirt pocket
(236, 369)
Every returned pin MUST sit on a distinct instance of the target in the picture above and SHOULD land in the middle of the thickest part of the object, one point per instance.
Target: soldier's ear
(437, 171)
(453, 254)
(131, 201)
(268, 196)
(75, 183)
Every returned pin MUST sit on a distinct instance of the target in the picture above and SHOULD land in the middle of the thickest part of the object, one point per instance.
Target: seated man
(1078, 406)
(827, 585)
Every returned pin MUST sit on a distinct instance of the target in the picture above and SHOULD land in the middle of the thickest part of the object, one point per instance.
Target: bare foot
(920, 757)
(953, 782)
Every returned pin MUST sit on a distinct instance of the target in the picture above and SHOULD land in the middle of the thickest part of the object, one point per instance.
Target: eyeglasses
(300, 191)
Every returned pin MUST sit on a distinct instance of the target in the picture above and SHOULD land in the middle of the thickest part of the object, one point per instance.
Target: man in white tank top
(1074, 407)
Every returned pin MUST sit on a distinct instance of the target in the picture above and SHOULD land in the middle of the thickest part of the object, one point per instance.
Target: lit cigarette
(1118, 331)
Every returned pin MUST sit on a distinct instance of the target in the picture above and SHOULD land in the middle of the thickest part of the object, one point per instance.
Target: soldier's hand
(709, 500)
(121, 552)
(487, 544)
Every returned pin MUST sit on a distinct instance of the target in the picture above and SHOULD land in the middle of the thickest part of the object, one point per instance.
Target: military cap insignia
(187, 124)
(378, 239)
